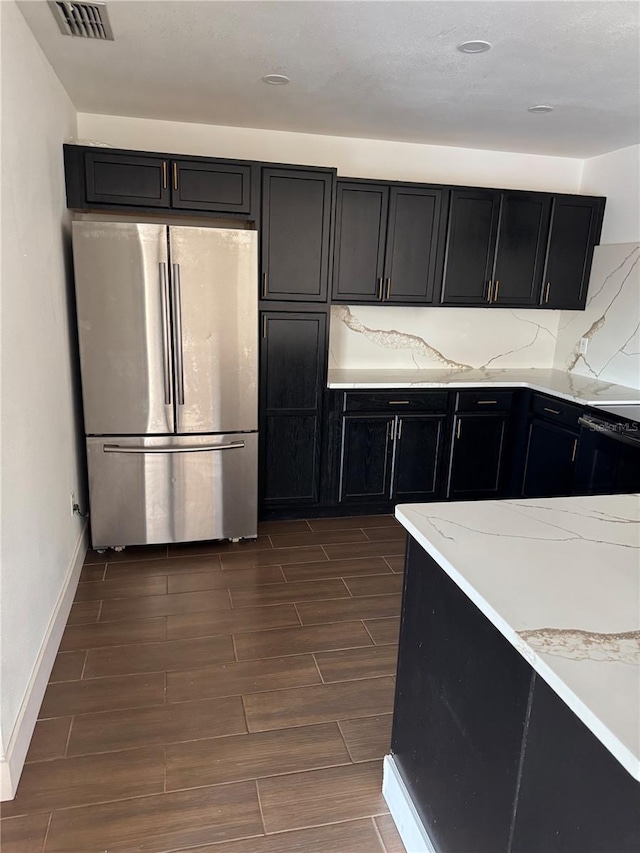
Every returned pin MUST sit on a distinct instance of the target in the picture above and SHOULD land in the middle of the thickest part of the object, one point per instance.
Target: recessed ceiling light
(540, 108)
(474, 46)
(275, 79)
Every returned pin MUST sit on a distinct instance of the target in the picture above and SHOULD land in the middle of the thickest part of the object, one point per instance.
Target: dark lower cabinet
(292, 364)
(459, 715)
(549, 460)
(418, 458)
(478, 454)
(367, 444)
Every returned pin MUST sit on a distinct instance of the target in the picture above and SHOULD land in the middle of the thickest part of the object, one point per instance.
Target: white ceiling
(382, 70)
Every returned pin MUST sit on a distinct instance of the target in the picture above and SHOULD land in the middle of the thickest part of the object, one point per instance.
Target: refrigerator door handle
(116, 448)
(177, 334)
(166, 337)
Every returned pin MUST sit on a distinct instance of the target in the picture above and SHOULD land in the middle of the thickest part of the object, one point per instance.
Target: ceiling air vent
(83, 20)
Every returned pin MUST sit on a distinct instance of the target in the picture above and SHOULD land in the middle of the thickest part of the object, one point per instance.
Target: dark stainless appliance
(608, 460)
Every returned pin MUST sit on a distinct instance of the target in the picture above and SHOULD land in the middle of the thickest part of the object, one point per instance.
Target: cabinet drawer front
(484, 401)
(555, 410)
(433, 402)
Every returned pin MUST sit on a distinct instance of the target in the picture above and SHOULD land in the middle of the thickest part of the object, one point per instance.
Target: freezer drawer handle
(116, 448)
(177, 334)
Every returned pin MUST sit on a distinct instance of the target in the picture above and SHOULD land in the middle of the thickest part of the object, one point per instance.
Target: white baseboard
(13, 762)
(413, 834)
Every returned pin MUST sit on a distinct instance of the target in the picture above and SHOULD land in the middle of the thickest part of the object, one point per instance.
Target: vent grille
(82, 20)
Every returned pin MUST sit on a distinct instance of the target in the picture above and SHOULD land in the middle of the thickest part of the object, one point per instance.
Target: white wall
(361, 158)
(40, 446)
(617, 176)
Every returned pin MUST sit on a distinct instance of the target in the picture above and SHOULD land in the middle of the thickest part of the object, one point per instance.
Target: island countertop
(558, 383)
(560, 579)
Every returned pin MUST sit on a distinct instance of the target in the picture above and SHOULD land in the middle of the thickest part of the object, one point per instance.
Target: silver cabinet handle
(380, 286)
(399, 402)
(392, 430)
(166, 335)
(177, 334)
(551, 411)
(486, 402)
(200, 448)
(399, 428)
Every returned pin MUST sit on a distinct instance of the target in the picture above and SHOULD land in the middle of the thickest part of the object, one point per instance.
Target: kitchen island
(517, 718)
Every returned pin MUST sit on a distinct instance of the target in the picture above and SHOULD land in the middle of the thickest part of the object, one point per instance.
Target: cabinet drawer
(433, 402)
(555, 410)
(484, 401)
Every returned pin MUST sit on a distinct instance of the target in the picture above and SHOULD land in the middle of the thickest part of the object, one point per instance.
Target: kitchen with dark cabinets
(303, 547)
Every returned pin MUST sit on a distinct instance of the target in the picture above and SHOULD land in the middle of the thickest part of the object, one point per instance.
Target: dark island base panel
(493, 760)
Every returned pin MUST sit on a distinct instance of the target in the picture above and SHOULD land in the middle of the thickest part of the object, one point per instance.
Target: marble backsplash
(389, 337)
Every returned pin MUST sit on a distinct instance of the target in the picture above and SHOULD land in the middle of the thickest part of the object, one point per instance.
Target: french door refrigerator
(168, 335)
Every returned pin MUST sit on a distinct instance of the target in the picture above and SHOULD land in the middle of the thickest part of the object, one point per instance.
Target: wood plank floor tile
(384, 534)
(362, 521)
(158, 657)
(174, 566)
(321, 796)
(304, 706)
(281, 593)
(24, 834)
(300, 640)
(349, 664)
(396, 563)
(182, 721)
(391, 548)
(210, 624)
(276, 557)
(220, 546)
(122, 588)
(252, 756)
(159, 823)
(368, 738)
(234, 679)
(133, 552)
(164, 605)
(92, 573)
(341, 610)
(225, 580)
(84, 612)
(384, 631)
(68, 782)
(68, 666)
(326, 537)
(336, 569)
(269, 527)
(375, 585)
(49, 739)
(353, 836)
(100, 694)
(389, 833)
(113, 634)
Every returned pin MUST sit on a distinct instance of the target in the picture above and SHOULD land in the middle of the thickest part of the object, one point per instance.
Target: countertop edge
(608, 739)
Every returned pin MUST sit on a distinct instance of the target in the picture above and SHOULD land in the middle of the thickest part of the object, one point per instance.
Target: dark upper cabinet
(414, 244)
(292, 364)
(470, 247)
(295, 238)
(576, 222)
(520, 254)
(478, 453)
(126, 179)
(361, 219)
(549, 460)
(207, 185)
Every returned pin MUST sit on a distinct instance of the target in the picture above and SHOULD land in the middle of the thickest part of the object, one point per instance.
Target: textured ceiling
(382, 70)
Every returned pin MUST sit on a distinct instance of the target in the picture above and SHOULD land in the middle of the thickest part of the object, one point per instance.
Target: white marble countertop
(560, 578)
(558, 383)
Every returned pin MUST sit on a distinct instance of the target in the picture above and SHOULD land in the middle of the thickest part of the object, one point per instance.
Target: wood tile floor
(222, 698)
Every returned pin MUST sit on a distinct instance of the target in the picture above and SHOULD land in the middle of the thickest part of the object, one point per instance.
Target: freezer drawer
(145, 490)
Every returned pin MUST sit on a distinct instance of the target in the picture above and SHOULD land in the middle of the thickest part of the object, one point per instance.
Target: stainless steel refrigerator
(168, 333)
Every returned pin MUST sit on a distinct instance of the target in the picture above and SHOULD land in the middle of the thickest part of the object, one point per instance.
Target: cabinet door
(296, 208)
(293, 350)
(417, 459)
(550, 458)
(361, 218)
(415, 243)
(522, 242)
(367, 449)
(126, 179)
(477, 456)
(203, 185)
(575, 229)
(471, 243)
